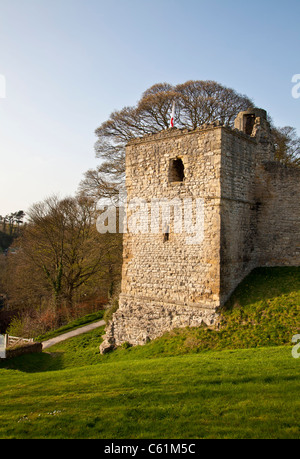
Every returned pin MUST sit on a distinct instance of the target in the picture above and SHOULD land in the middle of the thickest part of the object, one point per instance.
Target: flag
(172, 115)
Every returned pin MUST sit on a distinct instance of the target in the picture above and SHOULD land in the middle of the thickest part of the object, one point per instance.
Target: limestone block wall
(279, 215)
(174, 270)
(238, 209)
(167, 281)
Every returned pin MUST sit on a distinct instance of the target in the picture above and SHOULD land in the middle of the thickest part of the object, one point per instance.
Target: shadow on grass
(34, 363)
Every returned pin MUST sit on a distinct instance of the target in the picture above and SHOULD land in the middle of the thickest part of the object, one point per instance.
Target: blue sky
(69, 63)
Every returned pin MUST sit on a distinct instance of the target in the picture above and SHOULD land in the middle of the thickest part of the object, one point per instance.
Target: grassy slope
(263, 311)
(170, 388)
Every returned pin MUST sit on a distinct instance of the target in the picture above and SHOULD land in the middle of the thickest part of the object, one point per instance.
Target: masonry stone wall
(30, 348)
(279, 215)
(238, 219)
(170, 283)
(251, 218)
(190, 272)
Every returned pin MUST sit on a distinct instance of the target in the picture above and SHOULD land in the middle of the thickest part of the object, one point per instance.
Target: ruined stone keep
(251, 219)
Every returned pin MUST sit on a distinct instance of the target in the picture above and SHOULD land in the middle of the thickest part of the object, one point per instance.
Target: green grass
(227, 394)
(239, 382)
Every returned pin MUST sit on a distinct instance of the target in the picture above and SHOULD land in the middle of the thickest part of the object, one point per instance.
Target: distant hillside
(5, 241)
(10, 228)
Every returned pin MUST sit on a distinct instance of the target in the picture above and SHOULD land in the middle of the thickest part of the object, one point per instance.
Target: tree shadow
(34, 363)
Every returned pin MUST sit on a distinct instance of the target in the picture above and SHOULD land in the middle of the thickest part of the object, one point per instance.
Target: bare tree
(287, 146)
(197, 102)
(62, 245)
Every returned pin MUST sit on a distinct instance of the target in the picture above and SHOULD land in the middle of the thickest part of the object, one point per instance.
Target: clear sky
(68, 64)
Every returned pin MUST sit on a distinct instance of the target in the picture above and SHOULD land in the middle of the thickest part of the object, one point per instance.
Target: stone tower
(215, 206)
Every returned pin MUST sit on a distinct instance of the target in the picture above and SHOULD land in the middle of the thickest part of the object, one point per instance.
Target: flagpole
(172, 115)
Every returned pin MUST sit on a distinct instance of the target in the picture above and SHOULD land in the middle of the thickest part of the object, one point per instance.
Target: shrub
(15, 327)
(114, 306)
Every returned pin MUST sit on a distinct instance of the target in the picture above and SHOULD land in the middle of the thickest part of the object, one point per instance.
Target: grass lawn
(239, 382)
(251, 393)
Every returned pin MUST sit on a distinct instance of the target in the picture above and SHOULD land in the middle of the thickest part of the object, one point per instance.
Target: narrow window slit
(176, 170)
(167, 234)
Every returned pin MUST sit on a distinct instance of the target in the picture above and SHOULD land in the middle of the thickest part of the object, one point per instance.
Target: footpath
(78, 331)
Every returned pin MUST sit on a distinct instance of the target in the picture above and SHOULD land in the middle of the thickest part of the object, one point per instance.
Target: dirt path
(72, 333)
